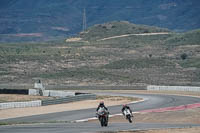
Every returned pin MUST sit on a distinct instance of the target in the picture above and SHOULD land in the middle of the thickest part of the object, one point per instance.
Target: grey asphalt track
(151, 102)
(85, 127)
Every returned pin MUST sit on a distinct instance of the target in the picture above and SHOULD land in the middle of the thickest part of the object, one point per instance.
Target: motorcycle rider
(125, 106)
(101, 105)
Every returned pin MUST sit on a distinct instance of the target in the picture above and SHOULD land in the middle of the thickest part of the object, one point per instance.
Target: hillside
(117, 28)
(191, 38)
(44, 20)
(159, 59)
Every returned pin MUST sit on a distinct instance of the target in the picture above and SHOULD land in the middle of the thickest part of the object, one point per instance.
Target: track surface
(151, 102)
(84, 127)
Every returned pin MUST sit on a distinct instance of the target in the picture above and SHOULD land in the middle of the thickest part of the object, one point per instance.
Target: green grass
(83, 73)
(194, 62)
(4, 123)
(34, 52)
(139, 63)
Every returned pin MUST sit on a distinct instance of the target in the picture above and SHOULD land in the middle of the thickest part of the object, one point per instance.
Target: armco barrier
(53, 93)
(13, 91)
(9, 105)
(97, 87)
(173, 88)
(47, 102)
(69, 99)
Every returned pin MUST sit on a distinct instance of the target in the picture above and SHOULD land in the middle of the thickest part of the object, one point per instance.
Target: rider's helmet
(101, 103)
(124, 105)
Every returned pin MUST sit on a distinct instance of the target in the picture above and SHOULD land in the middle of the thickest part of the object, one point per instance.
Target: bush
(183, 56)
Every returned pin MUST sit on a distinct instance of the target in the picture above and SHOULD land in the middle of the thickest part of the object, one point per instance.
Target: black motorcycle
(103, 116)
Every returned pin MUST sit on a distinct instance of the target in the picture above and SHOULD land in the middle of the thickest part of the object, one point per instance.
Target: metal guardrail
(97, 87)
(47, 102)
(174, 88)
(10, 105)
(68, 99)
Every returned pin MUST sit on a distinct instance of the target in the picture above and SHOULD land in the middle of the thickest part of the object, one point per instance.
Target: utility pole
(84, 20)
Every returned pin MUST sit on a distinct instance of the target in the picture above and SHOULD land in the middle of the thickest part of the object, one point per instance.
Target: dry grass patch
(181, 130)
(20, 98)
(75, 39)
(118, 98)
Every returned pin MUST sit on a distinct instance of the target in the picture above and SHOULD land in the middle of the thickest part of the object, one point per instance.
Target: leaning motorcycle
(103, 116)
(128, 115)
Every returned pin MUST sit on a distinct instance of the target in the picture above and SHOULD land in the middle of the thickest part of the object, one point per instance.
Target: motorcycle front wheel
(102, 121)
(129, 119)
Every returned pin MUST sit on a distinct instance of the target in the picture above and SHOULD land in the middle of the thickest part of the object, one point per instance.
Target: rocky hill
(137, 55)
(44, 20)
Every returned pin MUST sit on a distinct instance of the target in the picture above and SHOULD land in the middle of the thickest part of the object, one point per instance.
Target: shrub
(183, 56)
